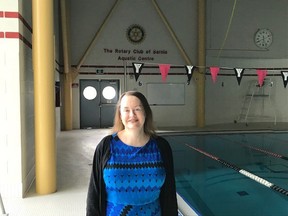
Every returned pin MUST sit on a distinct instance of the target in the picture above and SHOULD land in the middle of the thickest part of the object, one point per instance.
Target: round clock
(135, 33)
(263, 38)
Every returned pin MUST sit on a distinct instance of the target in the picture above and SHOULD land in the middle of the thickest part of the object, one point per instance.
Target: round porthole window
(90, 93)
(109, 93)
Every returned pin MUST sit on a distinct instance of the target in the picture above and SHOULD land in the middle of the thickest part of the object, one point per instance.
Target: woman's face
(132, 112)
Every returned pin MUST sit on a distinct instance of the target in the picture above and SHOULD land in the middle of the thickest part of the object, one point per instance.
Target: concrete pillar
(67, 78)
(44, 96)
(67, 98)
(200, 75)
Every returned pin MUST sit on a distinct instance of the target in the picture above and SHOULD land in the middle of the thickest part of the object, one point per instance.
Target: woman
(133, 171)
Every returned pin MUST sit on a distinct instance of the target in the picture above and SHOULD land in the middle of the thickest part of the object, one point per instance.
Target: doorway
(98, 99)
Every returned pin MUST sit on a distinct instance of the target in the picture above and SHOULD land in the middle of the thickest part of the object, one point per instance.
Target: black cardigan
(96, 198)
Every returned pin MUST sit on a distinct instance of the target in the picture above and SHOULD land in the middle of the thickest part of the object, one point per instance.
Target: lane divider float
(242, 171)
(258, 149)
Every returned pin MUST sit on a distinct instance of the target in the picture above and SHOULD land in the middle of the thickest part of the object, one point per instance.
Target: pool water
(236, 174)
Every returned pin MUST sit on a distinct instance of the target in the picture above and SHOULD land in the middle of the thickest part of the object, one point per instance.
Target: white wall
(113, 37)
(11, 115)
(229, 44)
(27, 100)
(234, 30)
(232, 45)
(17, 149)
(226, 98)
(87, 16)
(173, 115)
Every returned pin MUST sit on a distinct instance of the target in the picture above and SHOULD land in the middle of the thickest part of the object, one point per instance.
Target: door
(98, 100)
(108, 101)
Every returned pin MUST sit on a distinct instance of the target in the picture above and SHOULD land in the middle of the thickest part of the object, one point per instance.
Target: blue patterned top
(133, 177)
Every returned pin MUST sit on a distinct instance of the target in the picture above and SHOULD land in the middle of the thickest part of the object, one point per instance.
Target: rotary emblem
(135, 34)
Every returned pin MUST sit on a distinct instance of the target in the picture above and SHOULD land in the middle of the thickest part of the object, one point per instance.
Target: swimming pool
(235, 174)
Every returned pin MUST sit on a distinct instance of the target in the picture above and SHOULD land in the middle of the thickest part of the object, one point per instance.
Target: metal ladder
(256, 91)
(2, 206)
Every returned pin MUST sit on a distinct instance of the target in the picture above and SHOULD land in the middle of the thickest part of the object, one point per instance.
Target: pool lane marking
(267, 152)
(258, 149)
(242, 171)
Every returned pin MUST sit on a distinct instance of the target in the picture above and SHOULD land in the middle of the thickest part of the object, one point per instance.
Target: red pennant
(261, 76)
(164, 69)
(214, 72)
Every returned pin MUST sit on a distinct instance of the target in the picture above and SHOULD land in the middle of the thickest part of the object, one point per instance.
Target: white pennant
(239, 72)
(189, 69)
(137, 67)
(285, 76)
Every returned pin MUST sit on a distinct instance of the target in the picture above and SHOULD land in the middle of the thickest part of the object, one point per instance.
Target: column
(44, 96)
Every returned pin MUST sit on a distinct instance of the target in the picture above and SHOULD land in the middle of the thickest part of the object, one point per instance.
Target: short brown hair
(149, 127)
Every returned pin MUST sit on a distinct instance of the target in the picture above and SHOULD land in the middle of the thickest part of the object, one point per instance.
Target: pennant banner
(239, 74)
(214, 72)
(164, 70)
(285, 77)
(261, 76)
(137, 69)
(189, 71)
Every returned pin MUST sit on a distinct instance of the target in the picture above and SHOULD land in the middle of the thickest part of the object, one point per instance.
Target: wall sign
(135, 34)
(135, 54)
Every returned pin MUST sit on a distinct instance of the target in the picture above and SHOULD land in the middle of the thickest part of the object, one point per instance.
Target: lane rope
(266, 152)
(242, 171)
(257, 149)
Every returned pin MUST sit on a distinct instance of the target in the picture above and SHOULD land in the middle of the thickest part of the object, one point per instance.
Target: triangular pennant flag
(285, 77)
(261, 76)
(189, 71)
(164, 69)
(239, 74)
(214, 72)
(137, 69)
